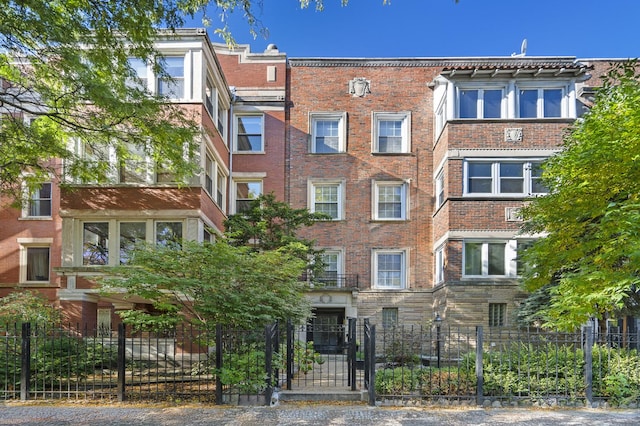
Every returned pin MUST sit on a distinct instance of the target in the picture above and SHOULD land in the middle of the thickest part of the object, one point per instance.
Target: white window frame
(527, 177)
(113, 236)
(339, 264)
(540, 104)
(439, 188)
(404, 199)
(173, 80)
(245, 181)
(26, 244)
(405, 130)
(439, 263)
(509, 258)
(376, 269)
(34, 196)
(236, 133)
(480, 110)
(311, 192)
(341, 118)
(210, 96)
(121, 251)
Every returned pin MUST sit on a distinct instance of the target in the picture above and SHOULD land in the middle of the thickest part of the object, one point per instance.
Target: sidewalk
(19, 414)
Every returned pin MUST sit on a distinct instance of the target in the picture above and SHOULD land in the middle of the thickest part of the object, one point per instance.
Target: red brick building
(422, 163)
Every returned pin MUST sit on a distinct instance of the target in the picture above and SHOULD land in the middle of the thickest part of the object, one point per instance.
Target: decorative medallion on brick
(359, 87)
(513, 134)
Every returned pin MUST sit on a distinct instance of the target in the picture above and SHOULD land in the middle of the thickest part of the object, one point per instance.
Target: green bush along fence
(221, 365)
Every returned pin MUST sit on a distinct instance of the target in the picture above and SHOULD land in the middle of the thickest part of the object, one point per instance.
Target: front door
(327, 331)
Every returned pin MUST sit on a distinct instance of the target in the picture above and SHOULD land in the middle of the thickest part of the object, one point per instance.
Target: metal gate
(325, 354)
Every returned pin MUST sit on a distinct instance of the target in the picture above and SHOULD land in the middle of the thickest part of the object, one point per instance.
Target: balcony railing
(332, 281)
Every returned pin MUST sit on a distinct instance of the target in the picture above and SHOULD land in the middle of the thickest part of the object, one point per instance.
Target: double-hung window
(330, 276)
(328, 133)
(539, 102)
(480, 103)
(246, 192)
(389, 269)
(171, 85)
(140, 78)
(131, 234)
(209, 98)
(222, 119)
(504, 177)
(490, 258)
(390, 200)
(327, 197)
(133, 165)
(391, 132)
(95, 243)
(40, 201)
(249, 133)
(37, 264)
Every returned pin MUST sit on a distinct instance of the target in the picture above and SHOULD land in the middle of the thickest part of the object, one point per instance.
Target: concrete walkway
(18, 414)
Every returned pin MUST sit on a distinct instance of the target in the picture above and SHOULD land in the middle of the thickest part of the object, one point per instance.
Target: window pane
(326, 200)
(389, 317)
(390, 202)
(473, 259)
(249, 133)
(140, 70)
(528, 103)
(511, 178)
(131, 233)
(552, 103)
(496, 258)
(327, 138)
(492, 103)
(390, 270)
(537, 187)
(390, 136)
(174, 86)
(95, 247)
(169, 233)
(37, 263)
(246, 192)
(40, 202)
(479, 177)
(468, 104)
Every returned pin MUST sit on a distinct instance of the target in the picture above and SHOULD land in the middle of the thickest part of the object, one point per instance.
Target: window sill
(392, 154)
(249, 152)
(27, 218)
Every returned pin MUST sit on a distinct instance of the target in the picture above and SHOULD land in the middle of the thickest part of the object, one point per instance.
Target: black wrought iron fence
(219, 365)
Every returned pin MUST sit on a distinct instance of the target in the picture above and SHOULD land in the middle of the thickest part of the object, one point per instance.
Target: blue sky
(442, 28)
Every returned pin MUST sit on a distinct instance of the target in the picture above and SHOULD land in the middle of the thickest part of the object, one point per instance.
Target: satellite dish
(523, 50)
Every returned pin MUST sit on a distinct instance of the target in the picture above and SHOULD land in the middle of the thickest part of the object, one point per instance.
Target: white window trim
(404, 192)
(27, 198)
(439, 262)
(403, 275)
(341, 117)
(439, 186)
(256, 178)
(236, 116)
(510, 254)
(186, 73)
(405, 117)
(480, 102)
(495, 177)
(312, 183)
(114, 235)
(540, 86)
(26, 243)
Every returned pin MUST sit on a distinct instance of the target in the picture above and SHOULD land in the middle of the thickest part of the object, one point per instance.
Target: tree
(269, 224)
(65, 75)
(26, 306)
(211, 284)
(589, 259)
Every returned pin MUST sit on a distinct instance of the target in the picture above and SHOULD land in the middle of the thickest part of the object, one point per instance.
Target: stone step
(322, 395)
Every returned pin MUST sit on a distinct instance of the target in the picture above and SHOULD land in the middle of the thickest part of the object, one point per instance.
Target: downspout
(230, 146)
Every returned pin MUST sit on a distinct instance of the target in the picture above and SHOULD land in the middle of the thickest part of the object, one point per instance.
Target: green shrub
(432, 382)
(396, 381)
(616, 374)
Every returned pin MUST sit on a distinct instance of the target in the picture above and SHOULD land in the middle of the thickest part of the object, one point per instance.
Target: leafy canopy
(64, 70)
(212, 283)
(590, 258)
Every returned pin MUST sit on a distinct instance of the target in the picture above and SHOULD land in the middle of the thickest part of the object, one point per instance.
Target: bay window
(504, 177)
